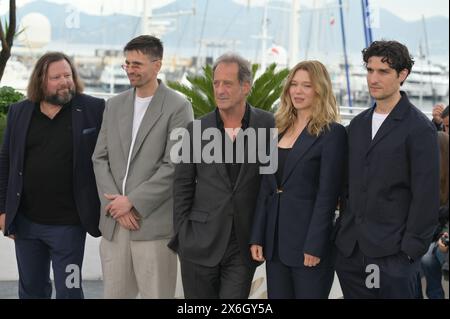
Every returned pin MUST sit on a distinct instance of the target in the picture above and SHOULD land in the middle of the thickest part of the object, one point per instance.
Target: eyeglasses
(135, 66)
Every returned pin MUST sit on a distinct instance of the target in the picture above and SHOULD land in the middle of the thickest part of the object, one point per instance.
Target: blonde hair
(324, 110)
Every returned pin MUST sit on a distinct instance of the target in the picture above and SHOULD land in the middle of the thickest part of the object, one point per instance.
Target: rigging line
(282, 35)
(202, 30)
(320, 37)
(232, 21)
(183, 33)
(310, 31)
(427, 60)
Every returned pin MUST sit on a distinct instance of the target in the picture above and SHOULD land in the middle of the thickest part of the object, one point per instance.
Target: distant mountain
(112, 29)
(228, 21)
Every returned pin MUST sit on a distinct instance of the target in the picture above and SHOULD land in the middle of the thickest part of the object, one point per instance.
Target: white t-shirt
(140, 107)
(377, 120)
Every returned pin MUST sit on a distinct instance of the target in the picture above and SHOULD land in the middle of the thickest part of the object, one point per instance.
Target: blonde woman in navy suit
(296, 205)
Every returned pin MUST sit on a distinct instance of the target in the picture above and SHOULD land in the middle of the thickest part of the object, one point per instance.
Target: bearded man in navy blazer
(48, 195)
(393, 185)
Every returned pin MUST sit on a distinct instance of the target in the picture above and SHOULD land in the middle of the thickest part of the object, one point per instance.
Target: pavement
(93, 289)
(92, 277)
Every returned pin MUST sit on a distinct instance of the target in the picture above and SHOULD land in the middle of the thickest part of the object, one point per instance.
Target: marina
(286, 33)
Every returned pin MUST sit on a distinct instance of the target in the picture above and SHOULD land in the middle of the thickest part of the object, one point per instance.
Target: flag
(332, 20)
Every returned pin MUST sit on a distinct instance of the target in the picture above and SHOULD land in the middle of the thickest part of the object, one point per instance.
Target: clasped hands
(121, 209)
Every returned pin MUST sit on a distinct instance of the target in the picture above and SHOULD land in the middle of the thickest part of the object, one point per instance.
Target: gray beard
(57, 99)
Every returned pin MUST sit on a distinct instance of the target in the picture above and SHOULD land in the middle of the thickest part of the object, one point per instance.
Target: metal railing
(347, 112)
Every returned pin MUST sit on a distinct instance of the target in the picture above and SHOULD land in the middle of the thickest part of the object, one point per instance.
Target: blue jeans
(36, 246)
(431, 264)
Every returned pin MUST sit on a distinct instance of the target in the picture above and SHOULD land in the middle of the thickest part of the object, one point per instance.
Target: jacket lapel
(300, 148)
(126, 113)
(151, 116)
(24, 126)
(274, 159)
(77, 126)
(248, 149)
(367, 130)
(209, 121)
(389, 123)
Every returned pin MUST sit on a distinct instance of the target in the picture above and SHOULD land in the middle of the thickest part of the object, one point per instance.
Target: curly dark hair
(392, 52)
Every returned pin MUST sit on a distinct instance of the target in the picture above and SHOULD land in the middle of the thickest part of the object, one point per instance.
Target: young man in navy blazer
(393, 185)
(48, 195)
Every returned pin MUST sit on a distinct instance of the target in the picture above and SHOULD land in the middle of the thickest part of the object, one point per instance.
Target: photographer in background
(444, 116)
(443, 247)
(439, 112)
(433, 262)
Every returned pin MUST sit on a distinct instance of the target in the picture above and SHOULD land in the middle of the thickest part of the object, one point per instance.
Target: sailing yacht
(428, 81)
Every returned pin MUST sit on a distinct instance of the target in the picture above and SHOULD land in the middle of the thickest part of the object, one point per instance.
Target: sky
(409, 10)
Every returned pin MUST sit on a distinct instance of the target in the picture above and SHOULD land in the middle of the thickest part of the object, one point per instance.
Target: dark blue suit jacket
(87, 113)
(312, 179)
(393, 184)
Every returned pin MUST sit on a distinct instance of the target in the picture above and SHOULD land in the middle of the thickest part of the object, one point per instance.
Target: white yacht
(114, 79)
(427, 80)
(16, 75)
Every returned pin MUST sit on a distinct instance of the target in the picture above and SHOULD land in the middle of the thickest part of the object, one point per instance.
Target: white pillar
(294, 33)
(264, 39)
(145, 17)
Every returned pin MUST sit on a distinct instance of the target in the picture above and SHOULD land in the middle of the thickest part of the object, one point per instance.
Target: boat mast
(344, 45)
(366, 22)
(428, 62)
(264, 37)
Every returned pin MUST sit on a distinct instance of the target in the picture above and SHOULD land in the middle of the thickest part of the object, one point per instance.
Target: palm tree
(265, 91)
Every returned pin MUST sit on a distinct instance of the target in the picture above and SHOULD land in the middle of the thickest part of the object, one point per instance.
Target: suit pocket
(89, 130)
(198, 216)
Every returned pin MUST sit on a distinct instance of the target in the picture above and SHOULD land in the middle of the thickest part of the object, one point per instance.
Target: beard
(60, 98)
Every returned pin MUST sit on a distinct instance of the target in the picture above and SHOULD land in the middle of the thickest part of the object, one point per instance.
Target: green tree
(7, 96)
(266, 89)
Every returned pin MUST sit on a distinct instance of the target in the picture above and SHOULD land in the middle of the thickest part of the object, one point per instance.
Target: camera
(444, 240)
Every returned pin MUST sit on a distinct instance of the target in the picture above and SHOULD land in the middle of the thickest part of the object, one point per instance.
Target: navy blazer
(305, 209)
(87, 114)
(393, 184)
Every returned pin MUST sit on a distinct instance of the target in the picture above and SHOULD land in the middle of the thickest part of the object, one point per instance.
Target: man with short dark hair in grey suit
(214, 201)
(134, 176)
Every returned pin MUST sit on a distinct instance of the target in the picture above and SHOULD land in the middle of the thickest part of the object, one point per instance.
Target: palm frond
(265, 91)
(200, 104)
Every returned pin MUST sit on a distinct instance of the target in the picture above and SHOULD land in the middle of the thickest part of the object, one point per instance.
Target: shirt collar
(245, 120)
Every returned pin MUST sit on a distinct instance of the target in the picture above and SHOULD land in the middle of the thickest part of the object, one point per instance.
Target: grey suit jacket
(206, 205)
(150, 175)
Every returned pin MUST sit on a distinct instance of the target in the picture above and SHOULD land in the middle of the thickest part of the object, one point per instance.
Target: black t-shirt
(48, 169)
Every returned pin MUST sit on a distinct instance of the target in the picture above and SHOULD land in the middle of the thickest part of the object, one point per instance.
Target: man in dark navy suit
(48, 195)
(393, 185)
